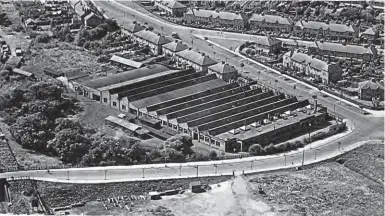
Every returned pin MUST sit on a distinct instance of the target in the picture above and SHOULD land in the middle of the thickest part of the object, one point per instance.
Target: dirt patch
(61, 194)
(367, 160)
(326, 189)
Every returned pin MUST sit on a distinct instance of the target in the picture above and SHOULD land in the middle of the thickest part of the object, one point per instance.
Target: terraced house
(152, 39)
(323, 71)
(198, 61)
(170, 49)
(365, 53)
(271, 22)
(219, 19)
(326, 30)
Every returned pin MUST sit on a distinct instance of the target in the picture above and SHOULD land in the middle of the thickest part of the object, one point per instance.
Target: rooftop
(215, 14)
(267, 41)
(152, 37)
(223, 68)
(125, 61)
(133, 27)
(271, 19)
(128, 125)
(198, 58)
(345, 48)
(369, 84)
(176, 46)
(325, 26)
(143, 103)
(125, 76)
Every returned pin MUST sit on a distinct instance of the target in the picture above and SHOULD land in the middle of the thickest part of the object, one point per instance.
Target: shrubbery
(257, 149)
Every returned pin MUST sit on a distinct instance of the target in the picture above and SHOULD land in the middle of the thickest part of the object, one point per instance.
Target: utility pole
(216, 168)
(143, 173)
(105, 174)
(180, 170)
(285, 159)
(303, 157)
(68, 175)
(251, 165)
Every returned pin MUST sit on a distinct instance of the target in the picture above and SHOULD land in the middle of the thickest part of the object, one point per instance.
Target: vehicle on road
(175, 35)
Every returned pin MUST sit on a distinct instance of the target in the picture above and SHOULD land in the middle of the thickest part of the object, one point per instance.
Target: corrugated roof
(152, 37)
(128, 125)
(196, 57)
(176, 46)
(348, 48)
(223, 68)
(125, 61)
(271, 19)
(324, 26)
(125, 76)
(142, 103)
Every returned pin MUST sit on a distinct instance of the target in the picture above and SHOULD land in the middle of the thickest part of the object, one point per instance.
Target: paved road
(362, 128)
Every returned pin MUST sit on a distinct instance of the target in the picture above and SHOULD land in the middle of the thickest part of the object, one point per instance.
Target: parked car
(175, 35)
(18, 51)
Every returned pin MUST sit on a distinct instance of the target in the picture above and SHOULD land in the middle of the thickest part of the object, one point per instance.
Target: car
(175, 35)
(18, 51)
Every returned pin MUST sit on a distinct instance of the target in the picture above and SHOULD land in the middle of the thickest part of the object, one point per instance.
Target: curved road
(361, 128)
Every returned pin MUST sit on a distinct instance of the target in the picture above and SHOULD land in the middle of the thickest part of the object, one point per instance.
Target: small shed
(154, 195)
(154, 123)
(196, 187)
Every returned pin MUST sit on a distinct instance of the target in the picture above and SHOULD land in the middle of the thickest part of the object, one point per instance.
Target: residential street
(361, 127)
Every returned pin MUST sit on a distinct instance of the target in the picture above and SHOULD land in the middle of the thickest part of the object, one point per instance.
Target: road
(361, 128)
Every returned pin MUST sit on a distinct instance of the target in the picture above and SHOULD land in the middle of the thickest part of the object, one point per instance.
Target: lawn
(228, 43)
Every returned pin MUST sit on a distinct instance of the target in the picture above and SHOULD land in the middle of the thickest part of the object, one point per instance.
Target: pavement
(361, 127)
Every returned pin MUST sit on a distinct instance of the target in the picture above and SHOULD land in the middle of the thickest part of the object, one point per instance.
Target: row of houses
(300, 62)
(272, 22)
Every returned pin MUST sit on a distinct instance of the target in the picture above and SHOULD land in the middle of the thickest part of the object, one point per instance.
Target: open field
(58, 56)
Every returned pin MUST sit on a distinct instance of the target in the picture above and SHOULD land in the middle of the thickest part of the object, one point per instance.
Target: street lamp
(339, 146)
(315, 154)
(334, 106)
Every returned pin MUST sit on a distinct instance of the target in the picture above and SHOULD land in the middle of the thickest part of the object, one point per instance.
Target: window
(124, 107)
(217, 143)
(114, 104)
(105, 100)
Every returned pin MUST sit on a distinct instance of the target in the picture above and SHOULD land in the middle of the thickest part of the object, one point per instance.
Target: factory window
(114, 104)
(212, 141)
(217, 143)
(124, 107)
(105, 100)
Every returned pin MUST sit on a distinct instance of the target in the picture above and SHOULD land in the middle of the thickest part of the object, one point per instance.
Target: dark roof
(125, 76)
(142, 103)
(133, 27)
(152, 37)
(223, 68)
(198, 58)
(176, 46)
(123, 123)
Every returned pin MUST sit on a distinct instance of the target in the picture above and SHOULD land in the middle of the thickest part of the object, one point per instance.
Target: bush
(256, 150)
(198, 156)
(271, 149)
(43, 38)
(213, 155)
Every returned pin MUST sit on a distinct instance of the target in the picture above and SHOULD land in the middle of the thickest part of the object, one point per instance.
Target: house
(81, 8)
(152, 39)
(332, 31)
(271, 23)
(369, 90)
(198, 61)
(132, 28)
(223, 71)
(369, 34)
(365, 53)
(30, 22)
(271, 44)
(219, 19)
(92, 20)
(170, 49)
(171, 8)
(323, 71)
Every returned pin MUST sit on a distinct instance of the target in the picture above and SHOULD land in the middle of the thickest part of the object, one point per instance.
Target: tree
(270, 149)
(69, 145)
(213, 155)
(242, 65)
(180, 142)
(43, 38)
(256, 149)
(252, 52)
(172, 155)
(82, 36)
(247, 51)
